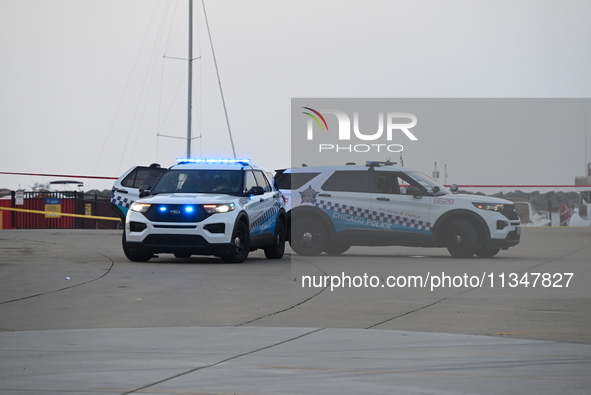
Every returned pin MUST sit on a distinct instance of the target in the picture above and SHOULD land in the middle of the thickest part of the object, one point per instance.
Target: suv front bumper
(512, 239)
(211, 236)
(179, 244)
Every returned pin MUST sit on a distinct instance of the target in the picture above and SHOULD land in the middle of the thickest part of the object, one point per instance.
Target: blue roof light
(215, 161)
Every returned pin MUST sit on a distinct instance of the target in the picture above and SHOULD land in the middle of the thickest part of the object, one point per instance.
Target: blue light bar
(213, 161)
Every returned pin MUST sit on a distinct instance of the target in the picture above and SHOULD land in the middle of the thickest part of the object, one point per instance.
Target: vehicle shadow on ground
(209, 260)
(402, 256)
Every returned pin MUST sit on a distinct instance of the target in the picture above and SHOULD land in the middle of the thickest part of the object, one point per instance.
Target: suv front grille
(513, 235)
(176, 213)
(510, 212)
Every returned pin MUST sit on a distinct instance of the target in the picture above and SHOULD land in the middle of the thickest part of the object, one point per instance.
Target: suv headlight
(490, 206)
(139, 207)
(219, 208)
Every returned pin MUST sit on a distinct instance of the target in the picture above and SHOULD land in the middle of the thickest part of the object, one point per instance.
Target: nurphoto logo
(394, 122)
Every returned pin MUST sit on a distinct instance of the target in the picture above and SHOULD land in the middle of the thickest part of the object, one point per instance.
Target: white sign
(20, 197)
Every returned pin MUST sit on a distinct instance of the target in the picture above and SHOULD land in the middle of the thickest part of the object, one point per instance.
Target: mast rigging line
(177, 137)
(218, 76)
(175, 58)
(135, 63)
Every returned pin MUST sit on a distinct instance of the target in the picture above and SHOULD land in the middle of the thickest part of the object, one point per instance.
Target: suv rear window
(347, 181)
(293, 180)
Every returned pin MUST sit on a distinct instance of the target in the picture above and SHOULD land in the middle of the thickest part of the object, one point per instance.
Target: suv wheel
(276, 250)
(308, 236)
(460, 239)
(134, 256)
(239, 245)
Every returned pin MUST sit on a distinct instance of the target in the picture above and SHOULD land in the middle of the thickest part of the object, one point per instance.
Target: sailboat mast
(190, 87)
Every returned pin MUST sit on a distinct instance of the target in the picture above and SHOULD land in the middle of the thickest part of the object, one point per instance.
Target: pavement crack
(291, 306)
(470, 289)
(419, 308)
(65, 288)
(222, 361)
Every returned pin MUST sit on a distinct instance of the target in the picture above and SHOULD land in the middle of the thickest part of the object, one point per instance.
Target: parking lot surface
(77, 317)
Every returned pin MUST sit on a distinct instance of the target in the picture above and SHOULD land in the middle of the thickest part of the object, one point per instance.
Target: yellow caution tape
(22, 210)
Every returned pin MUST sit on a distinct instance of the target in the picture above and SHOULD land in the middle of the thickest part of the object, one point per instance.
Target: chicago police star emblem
(308, 195)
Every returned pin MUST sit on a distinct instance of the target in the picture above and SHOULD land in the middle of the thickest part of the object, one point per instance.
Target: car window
(347, 181)
(393, 183)
(141, 176)
(270, 177)
(387, 183)
(427, 182)
(250, 181)
(293, 180)
(262, 181)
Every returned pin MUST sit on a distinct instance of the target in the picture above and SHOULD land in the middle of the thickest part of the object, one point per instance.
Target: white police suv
(331, 208)
(220, 207)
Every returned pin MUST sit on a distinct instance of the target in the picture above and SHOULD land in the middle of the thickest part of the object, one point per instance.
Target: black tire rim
(239, 242)
(308, 238)
(456, 241)
(279, 238)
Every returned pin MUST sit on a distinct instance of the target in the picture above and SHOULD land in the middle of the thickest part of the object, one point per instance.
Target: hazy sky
(85, 89)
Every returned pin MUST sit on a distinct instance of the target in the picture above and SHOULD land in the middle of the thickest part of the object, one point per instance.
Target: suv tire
(308, 236)
(277, 250)
(239, 244)
(134, 256)
(460, 239)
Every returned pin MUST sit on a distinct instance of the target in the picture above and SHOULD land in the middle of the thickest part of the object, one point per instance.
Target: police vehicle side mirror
(256, 191)
(144, 191)
(416, 192)
(453, 188)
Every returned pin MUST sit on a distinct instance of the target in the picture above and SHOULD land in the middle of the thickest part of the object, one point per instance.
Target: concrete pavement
(77, 317)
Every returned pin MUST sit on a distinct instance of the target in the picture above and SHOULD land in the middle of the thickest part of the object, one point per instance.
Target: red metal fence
(55, 204)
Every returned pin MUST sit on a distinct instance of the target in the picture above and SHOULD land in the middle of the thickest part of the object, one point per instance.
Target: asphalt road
(77, 317)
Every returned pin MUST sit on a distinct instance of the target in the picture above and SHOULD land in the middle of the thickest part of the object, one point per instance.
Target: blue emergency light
(215, 161)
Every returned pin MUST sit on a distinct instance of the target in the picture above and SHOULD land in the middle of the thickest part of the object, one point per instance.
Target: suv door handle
(324, 194)
(385, 199)
(121, 190)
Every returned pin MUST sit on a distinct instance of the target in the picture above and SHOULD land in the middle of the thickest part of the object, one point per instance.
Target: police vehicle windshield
(227, 182)
(432, 186)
